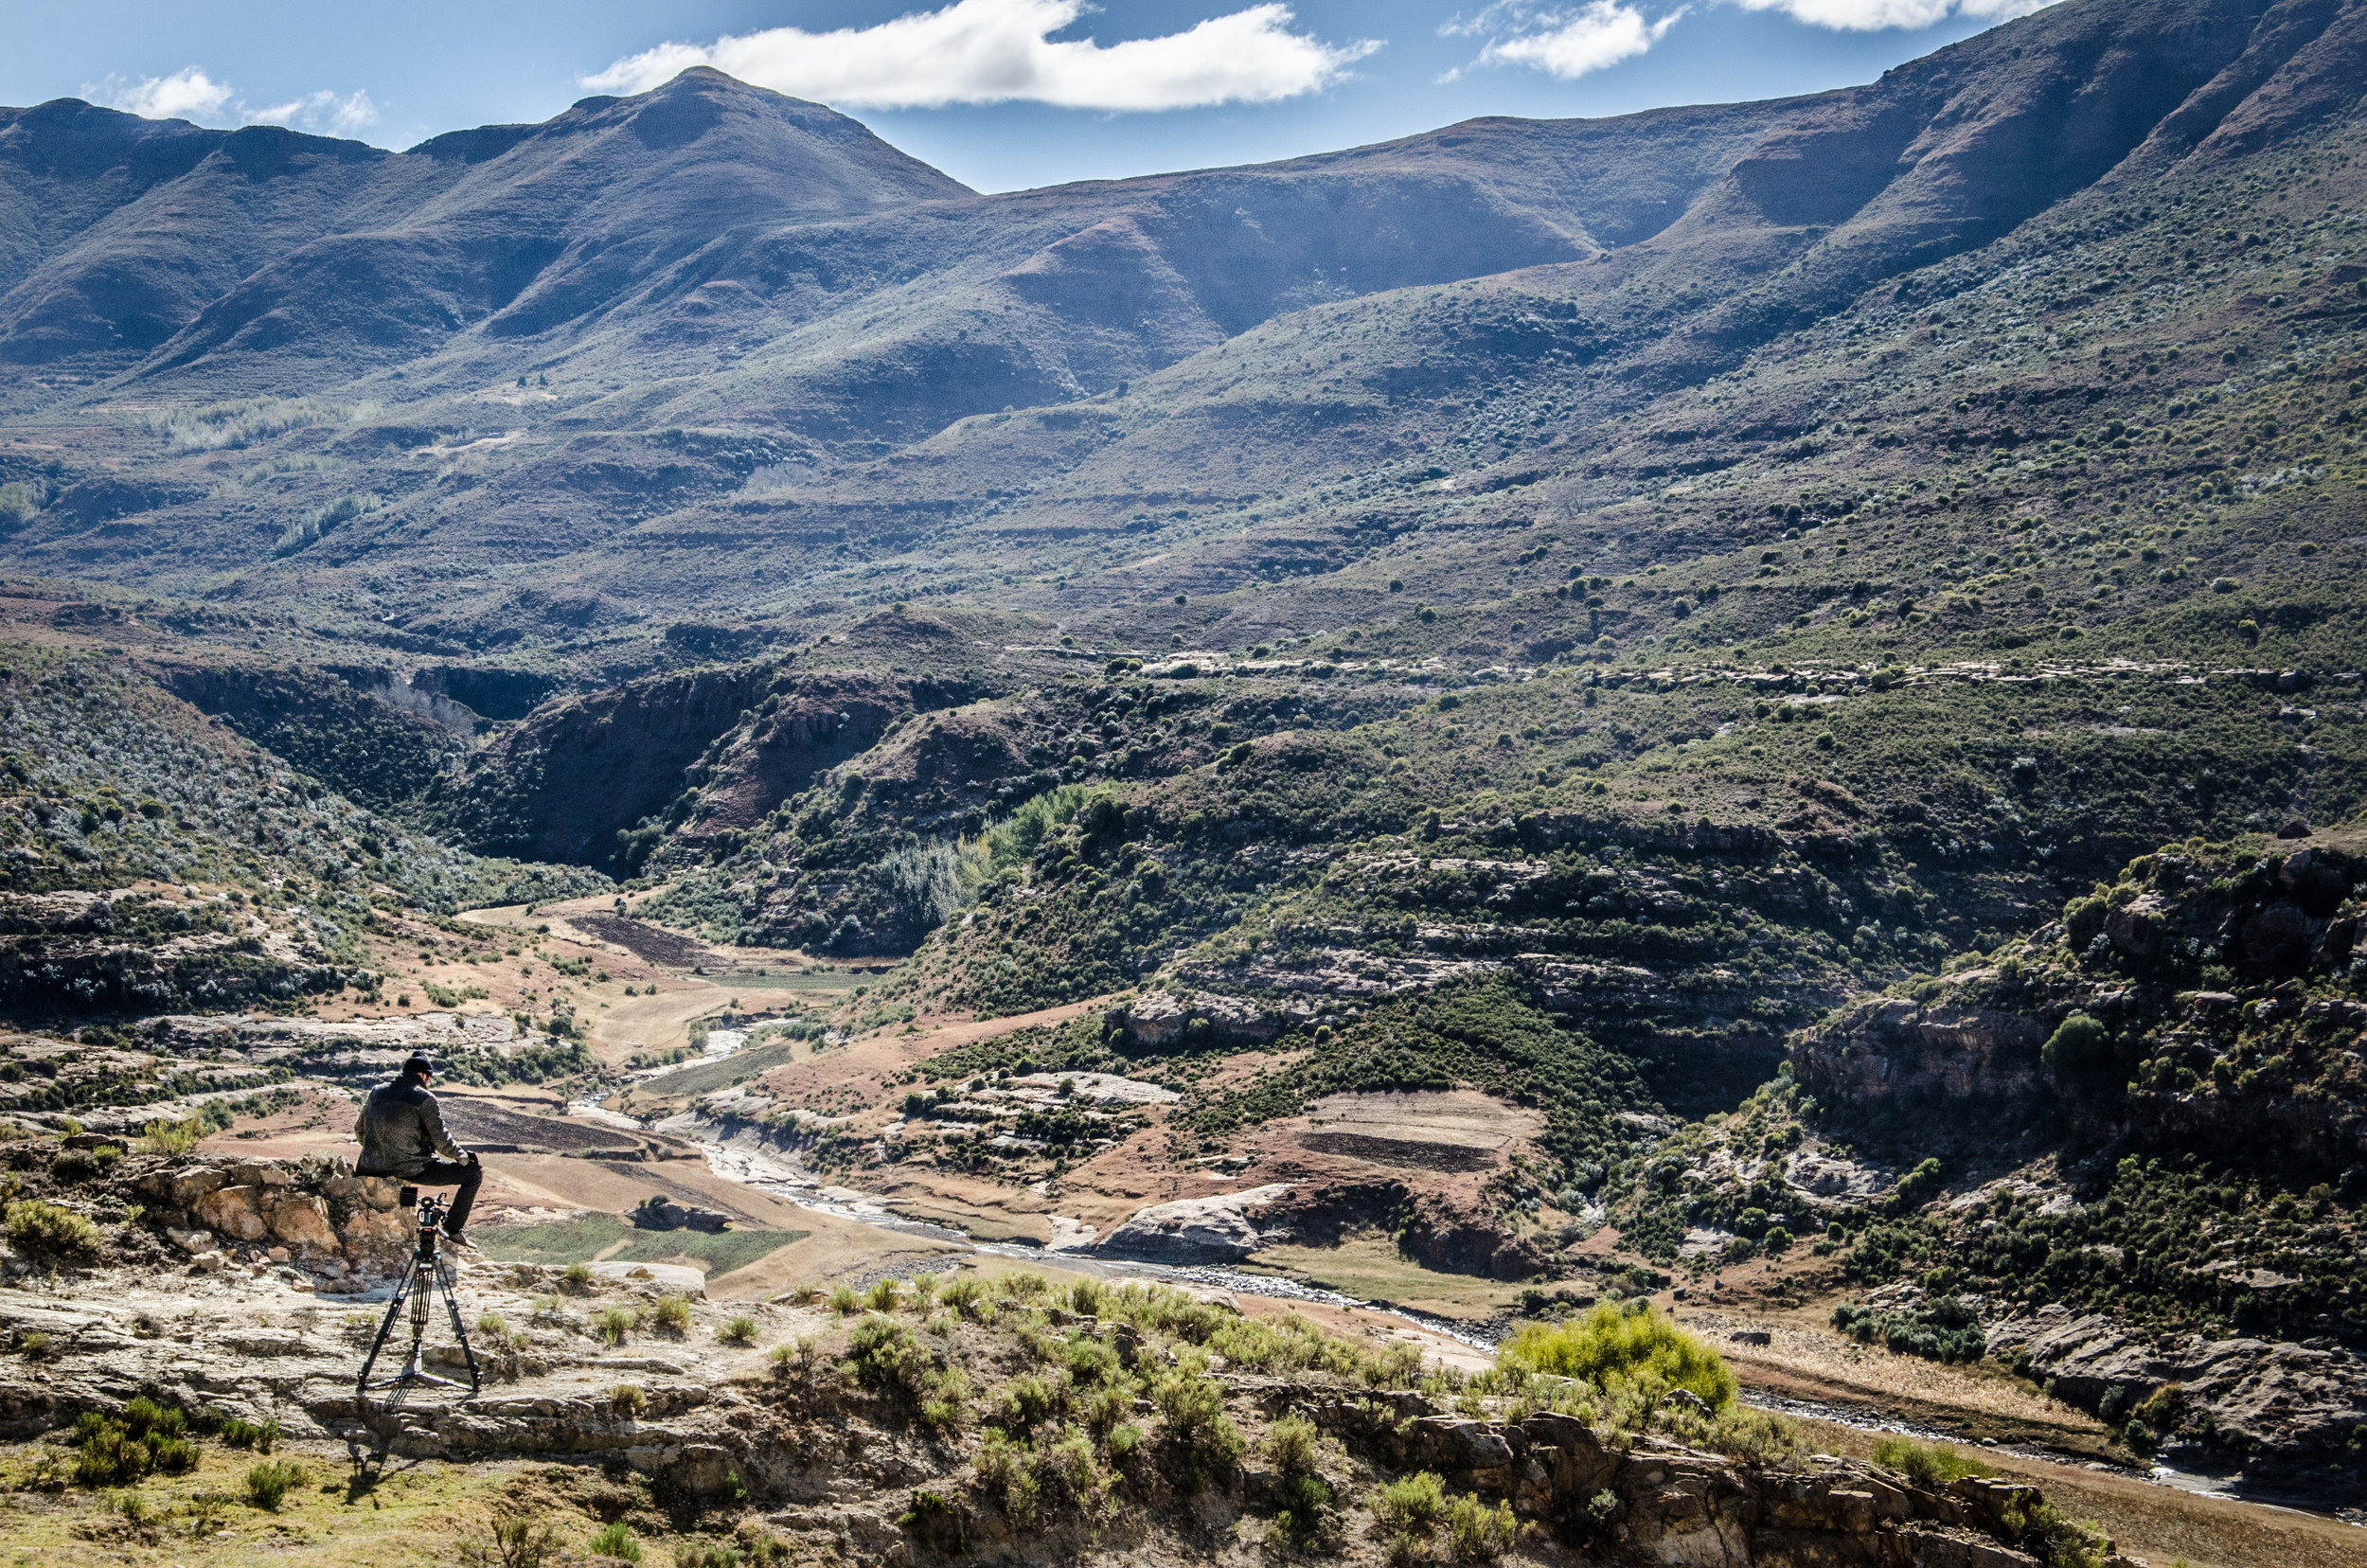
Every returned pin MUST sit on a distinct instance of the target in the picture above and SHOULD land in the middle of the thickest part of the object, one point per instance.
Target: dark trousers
(468, 1177)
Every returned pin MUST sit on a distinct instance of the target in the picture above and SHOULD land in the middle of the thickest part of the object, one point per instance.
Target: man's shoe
(458, 1241)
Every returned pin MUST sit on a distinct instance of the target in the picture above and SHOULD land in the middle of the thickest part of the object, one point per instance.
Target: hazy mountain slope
(1943, 155)
(1366, 394)
(533, 226)
(66, 166)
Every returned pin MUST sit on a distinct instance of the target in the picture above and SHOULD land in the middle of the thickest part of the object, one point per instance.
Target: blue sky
(1000, 94)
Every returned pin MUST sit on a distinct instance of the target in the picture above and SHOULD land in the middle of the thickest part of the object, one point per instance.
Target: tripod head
(431, 1209)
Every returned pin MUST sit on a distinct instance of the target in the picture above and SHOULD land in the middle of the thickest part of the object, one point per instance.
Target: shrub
(1753, 1437)
(1092, 1362)
(1413, 1503)
(2080, 1044)
(1612, 1345)
(269, 1483)
(146, 1437)
(1006, 1473)
(882, 1356)
(844, 1302)
(579, 1277)
(627, 1401)
(673, 1315)
(946, 1403)
(2056, 1541)
(1917, 1187)
(144, 1416)
(737, 1329)
(1292, 1445)
(1201, 1437)
(1944, 1329)
(881, 1297)
(260, 1437)
(1926, 1464)
(39, 1227)
(965, 1296)
(614, 1541)
(171, 1138)
(1068, 1469)
(105, 1455)
(1027, 1401)
(1476, 1532)
(615, 1323)
(513, 1535)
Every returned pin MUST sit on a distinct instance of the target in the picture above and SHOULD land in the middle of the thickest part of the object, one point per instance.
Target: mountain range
(1808, 652)
(660, 351)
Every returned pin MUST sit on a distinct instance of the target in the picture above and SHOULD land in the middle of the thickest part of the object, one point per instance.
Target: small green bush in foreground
(1610, 1346)
(1926, 1464)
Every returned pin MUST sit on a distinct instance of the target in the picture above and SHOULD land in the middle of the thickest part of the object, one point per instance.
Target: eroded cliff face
(1949, 1046)
(2206, 1002)
(2147, 1125)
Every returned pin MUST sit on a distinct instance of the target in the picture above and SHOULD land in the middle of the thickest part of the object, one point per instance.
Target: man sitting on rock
(402, 1133)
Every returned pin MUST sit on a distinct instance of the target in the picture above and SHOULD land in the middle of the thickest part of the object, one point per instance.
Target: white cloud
(184, 95)
(1604, 33)
(189, 94)
(324, 112)
(1876, 15)
(998, 51)
(1564, 42)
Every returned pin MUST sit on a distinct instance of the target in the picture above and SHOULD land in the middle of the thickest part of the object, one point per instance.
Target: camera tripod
(429, 1276)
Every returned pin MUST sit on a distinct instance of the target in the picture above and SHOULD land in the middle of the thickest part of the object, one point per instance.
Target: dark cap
(420, 1065)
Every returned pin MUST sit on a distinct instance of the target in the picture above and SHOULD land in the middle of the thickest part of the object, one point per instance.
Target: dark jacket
(400, 1130)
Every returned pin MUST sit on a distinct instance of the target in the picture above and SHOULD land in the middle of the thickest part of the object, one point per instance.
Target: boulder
(301, 1219)
(659, 1212)
(666, 1276)
(1195, 1230)
(235, 1212)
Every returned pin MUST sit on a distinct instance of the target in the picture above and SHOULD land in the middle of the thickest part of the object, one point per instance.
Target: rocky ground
(1156, 1425)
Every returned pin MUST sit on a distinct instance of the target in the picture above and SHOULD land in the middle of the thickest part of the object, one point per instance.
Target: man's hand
(471, 1158)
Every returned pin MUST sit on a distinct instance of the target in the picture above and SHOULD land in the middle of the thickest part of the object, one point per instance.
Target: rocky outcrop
(829, 1462)
(1222, 1229)
(1663, 1502)
(1161, 1020)
(2244, 1395)
(1952, 1045)
(87, 963)
(2169, 1057)
(313, 1213)
(659, 1212)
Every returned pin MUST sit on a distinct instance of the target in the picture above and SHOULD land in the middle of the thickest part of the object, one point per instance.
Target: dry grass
(1813, 1361)
(2158, 1522)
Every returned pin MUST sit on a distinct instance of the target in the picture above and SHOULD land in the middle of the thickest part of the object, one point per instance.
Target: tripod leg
(422, 1290)
(452, 1305)
(385, 1325)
